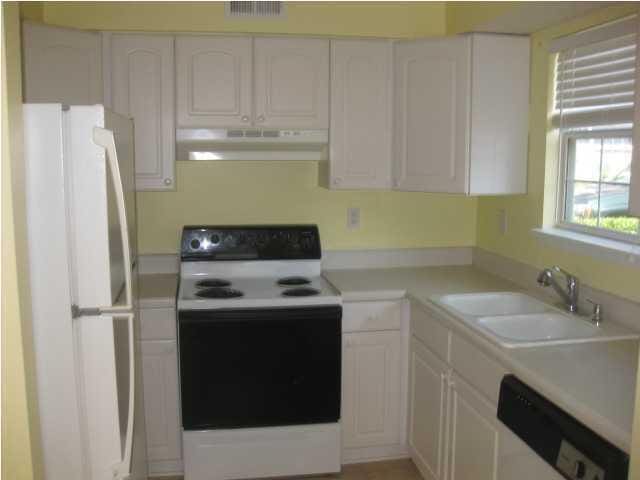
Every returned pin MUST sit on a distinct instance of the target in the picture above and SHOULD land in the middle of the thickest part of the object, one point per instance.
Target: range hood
(251, 144)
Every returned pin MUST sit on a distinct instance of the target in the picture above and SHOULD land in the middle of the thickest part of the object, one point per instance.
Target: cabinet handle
(167, 181)
(260, 119)
(337, 181)
(245, 118)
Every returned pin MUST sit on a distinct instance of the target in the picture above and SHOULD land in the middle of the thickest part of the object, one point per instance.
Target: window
(593, 110)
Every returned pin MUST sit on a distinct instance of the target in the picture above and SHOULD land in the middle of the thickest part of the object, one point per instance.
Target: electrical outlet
(502, 221)
(353, 218)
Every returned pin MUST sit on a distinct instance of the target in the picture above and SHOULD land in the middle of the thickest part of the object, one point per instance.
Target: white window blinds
(595, 76)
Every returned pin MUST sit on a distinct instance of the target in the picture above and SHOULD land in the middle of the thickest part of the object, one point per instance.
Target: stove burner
(219, 292)
(290, 281)
(300, 292)
(213, 282)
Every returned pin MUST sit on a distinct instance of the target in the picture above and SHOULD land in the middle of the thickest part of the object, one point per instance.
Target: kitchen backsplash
(289, 192)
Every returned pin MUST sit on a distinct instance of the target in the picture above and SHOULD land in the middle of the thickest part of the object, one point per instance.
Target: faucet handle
(596, 316)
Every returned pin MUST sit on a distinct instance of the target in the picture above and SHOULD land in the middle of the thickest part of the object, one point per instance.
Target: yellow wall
(525, 212)
(20, 447)
(224, 192)
(391, 19)
(279, 191)
(465, 16)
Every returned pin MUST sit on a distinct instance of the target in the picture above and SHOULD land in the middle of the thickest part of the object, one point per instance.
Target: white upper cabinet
(431, 114)
(360, 144)
(461, 111)
(214, 81)
(243, 81)
(61, 65)
(291, 82)
(142, 87)
(499, 114)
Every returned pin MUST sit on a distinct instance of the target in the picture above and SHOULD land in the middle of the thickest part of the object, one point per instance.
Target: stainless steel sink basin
(494, 303)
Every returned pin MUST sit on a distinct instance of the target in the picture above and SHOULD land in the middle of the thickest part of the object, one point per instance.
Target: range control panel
(250, 242)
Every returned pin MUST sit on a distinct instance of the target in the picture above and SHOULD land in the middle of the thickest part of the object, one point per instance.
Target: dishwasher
(574, 451)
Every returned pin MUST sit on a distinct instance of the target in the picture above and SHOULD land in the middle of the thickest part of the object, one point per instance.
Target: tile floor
(387, 470)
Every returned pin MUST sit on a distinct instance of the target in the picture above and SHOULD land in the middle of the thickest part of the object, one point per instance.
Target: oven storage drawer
(243, 368)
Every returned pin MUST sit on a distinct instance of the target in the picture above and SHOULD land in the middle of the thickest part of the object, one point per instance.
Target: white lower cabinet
(373, 381)
(371, 390)
(161, 397)
(474, 433)
(453, 430)
(428, 380)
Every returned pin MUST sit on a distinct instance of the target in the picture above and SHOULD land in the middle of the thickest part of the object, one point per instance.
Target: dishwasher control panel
(574, 464)
(569, 446)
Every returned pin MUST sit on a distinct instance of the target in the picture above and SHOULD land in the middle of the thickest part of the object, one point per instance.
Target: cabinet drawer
(157, 324)
(371, 316)
(430, 331)
(484, 373)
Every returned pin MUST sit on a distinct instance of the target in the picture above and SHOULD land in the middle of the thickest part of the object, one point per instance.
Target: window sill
(597, 247)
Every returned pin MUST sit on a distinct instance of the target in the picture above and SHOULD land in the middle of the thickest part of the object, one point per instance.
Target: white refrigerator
(81, 219)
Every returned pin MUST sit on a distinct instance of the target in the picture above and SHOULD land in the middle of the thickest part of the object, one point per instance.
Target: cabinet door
(360, 149)
(371, 389)
(213, 81)
(142, 72)
(431, 118)
(161, 401)
(499, 114)
(427, 411)
(61, 65)
(291, 82)
(474, 434)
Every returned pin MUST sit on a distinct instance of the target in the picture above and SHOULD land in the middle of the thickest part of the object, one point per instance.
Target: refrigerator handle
(122, 470)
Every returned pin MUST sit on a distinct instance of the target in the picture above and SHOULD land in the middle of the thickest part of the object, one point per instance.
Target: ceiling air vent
(255, 9)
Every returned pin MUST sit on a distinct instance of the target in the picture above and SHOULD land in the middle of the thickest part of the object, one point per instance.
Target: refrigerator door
(81, 203)
(122, 129)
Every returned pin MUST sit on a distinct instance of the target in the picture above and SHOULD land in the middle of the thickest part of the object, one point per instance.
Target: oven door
(260, 367)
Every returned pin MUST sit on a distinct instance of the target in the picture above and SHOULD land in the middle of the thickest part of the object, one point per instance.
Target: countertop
(157, 290)
(594, 382)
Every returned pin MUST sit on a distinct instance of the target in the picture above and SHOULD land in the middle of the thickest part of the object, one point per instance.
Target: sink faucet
(569, 295)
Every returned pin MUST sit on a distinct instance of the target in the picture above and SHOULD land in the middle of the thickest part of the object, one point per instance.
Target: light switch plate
(353, 218)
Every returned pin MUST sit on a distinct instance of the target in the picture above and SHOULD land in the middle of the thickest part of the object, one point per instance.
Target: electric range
(259, 333)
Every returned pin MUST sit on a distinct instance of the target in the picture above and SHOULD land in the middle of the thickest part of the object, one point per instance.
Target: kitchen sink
(549, 328)
(538, 327)
(494, 303)
(512, 320)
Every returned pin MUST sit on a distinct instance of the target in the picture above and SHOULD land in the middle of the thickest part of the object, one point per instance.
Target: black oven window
(257, 368)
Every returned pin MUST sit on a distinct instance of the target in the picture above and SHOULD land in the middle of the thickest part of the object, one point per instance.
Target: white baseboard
(165, 468)
(374, 454)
